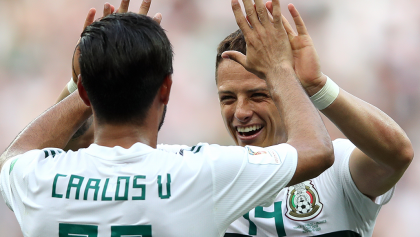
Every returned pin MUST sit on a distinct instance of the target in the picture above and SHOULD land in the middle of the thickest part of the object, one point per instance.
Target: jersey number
(73, 230)
(277, 214)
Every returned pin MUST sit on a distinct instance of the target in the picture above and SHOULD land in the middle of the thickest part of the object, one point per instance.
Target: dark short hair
(124, 59)
(235, 41)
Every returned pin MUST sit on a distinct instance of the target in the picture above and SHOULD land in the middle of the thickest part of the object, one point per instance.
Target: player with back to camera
(122, 185)
(345, 199)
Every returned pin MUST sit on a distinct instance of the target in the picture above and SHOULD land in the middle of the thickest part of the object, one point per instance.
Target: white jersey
(141, 191)
(328, 205)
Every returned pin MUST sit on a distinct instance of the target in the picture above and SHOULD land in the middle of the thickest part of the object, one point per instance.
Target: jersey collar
(117, 152)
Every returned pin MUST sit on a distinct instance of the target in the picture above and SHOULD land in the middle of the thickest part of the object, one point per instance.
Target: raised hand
(268, 46)
(307, 63)
(144, 9)
(90, 18)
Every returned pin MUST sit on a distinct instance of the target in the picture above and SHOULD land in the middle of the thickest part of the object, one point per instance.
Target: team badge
(303, 202)
(258, 155)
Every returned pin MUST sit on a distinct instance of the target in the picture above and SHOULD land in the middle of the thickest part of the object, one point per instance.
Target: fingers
(124, 6)
(288, 27)
(276, 12)
(107, 9)
(239, 17)
(261, 11)
(90, 17)
(300, 25)
(251, 13)
(144, 7)
(235, 56)
(269, 6)
(158, 18)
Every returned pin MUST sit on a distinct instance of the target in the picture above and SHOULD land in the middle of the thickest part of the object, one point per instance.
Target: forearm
(371, 130)
(296, 108)
(53, 128)
(64, 93)
(304, 126)
(84, 136)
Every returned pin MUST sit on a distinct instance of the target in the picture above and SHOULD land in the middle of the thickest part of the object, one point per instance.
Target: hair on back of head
(235, 41)
(124, 59)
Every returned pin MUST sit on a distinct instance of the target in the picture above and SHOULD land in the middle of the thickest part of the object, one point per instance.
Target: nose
(243, 111)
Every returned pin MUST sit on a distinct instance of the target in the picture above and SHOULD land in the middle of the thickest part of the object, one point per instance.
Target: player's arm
(269, 56)
(47, 130)
(85, 135)
(383, 150)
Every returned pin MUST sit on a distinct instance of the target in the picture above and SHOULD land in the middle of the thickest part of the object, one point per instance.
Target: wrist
(274, 72)
(326, 95)
(279, 75)
(71, 86)
(316, 85)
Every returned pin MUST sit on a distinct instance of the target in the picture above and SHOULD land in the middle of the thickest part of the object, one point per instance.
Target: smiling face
(249, 113)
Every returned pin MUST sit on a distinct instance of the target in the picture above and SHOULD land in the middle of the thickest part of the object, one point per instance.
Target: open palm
(307, 64)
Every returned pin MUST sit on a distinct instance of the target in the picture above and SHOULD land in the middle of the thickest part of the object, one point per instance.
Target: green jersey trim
(12, 165)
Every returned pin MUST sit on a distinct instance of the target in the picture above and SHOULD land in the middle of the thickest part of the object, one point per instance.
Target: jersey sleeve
(357, 200)
(245, 177)
(5, 188)
(13, 183)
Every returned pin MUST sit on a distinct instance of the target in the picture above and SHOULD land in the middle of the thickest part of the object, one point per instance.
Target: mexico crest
(303, 202)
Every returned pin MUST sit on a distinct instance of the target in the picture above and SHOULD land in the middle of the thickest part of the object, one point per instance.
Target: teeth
(248, 129)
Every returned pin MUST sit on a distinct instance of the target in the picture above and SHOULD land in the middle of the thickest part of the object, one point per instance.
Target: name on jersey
(121, 188)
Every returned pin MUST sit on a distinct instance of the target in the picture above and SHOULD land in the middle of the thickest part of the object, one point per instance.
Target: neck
(125, 135)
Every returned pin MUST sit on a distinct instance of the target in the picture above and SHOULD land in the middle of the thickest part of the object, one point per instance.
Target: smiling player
(344, 200)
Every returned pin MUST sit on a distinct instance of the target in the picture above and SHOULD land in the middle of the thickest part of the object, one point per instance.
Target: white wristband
(71, 86)
(324, 97)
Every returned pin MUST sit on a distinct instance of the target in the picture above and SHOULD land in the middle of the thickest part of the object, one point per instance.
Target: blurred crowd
(370, 48)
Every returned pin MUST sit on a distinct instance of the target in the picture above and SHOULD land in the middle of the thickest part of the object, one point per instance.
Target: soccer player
(121, 185)
(344, 200)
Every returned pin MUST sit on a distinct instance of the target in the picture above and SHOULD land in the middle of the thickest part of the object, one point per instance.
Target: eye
(260, 96)
(227, 99)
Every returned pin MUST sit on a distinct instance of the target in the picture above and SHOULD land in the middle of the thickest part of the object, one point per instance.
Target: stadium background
(370, 48)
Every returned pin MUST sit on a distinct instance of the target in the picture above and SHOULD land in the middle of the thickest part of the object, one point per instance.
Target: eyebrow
(257, 90)
(248, 91)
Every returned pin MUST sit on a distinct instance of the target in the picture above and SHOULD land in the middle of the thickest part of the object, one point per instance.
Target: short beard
(163, 118)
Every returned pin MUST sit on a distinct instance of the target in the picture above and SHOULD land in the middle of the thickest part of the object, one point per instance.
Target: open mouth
(249, 131)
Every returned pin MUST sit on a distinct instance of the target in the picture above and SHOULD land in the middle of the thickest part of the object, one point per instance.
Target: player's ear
(165, 89)
(82, 91)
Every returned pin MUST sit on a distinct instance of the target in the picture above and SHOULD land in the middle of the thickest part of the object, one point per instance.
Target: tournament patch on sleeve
(262, 156)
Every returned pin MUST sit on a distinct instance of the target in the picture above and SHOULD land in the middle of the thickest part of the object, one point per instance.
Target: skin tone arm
(85, 135)
(383, 150)
(47, 130)
(269, 56)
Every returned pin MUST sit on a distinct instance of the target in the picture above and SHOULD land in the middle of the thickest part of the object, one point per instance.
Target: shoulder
(22, 165)
(29, 159)
(342, 149)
